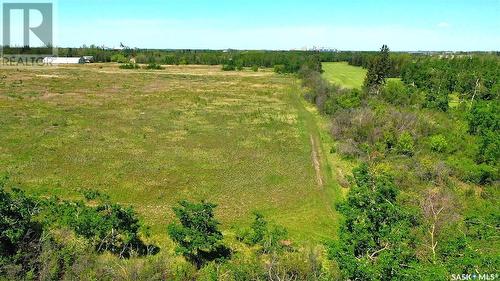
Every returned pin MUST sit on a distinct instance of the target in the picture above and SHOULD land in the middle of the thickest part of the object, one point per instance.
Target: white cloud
(444, 24)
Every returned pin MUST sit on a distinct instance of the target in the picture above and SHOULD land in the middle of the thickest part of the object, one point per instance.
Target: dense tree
(471, 77)
(378, 71)
(484, 121)
(376, 241)
(198, 236)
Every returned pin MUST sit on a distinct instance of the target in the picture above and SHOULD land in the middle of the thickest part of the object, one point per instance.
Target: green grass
(152, 138)
(344, 75)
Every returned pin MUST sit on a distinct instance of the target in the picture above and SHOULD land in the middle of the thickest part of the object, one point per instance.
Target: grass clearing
(344, 75)
(151, 138)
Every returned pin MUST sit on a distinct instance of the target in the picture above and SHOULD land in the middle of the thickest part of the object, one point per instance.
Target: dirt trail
(316, 163)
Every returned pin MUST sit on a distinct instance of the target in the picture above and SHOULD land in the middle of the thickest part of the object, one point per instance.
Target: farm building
(88, 59)
(64, 60)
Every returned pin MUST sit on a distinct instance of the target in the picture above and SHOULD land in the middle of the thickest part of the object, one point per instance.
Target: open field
(242, 140)
(344, 75)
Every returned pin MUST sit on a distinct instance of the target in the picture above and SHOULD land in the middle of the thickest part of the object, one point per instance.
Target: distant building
(88, 59)
(64, 60)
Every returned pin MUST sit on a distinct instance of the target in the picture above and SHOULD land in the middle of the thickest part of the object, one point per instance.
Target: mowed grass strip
(344, 75)
(150, 139)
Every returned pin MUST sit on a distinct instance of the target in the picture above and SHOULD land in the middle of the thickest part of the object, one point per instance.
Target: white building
(63, 60)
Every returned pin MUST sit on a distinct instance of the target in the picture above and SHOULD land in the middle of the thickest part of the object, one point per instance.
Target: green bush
(489, 148)
(406, 144)
(280, 68)
(130, 66)
(239, 65)
(469, 171)
(109, 227)
(228, 67)
(18, 229)
(483, 117)
(436, 100)
(397, 93)
(439, 144)
(261, 232)
(154, 66)
(255, 68)
(119, 58)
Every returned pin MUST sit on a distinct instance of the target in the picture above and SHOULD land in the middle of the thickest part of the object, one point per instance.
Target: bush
(239, 65)
(483, 117)
(119, 58)
(406, 144)
(18, 231)
(467, 170)
(109, 227)
(431, 170)
(255, 68)
(397, 93)
(436, 100)
(280, 68)
(269, 237)
(228, 67)
(349, 149)
(130, 66)
(439, 144)
(154, 66)
(489, 148)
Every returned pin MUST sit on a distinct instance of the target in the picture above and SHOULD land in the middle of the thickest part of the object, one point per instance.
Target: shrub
(91, 195)
(431, 170)
(119, 58)
(130, 66)
(280, 68)
(154, 66)
(439, 143)
(484, 116)
(349, 149)
(17, 226)
(268, 236)
(406, 144)
(109, 227)
(397, 93)
(350, 99)
(489, 148)
(436, 100)
(228, 67)
(239, 65)
(255, 68)
(469, 171)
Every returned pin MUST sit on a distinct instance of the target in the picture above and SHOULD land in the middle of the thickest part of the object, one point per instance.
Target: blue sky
(280, 24)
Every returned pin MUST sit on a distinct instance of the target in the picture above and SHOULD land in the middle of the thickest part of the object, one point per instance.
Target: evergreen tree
(378, 70)
(198, 236)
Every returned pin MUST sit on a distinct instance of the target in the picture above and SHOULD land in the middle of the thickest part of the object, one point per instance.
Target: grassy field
(344, 75)
(243, 140)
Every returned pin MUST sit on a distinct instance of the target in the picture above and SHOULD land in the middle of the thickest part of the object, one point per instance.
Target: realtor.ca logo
(474, 276)
(27, 32)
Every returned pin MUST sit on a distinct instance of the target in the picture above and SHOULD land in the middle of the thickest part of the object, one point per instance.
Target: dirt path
(316, 163)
